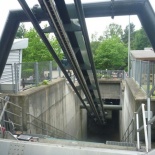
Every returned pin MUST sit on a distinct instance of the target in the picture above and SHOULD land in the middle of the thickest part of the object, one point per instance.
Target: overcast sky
(94, 24)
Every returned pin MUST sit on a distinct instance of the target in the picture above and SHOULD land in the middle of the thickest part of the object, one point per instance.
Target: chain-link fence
(21, 76)
(110, 74)
(143, 72)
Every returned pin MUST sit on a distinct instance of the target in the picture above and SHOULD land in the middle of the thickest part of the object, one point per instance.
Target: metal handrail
(144, 126)
(127, 131)
(139, 128)
(45, 130)
(5, 110)
(64, 135)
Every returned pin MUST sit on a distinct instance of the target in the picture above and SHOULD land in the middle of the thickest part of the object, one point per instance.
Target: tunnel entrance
(108, 132)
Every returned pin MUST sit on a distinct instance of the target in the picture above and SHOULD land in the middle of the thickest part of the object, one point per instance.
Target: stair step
(128, 144)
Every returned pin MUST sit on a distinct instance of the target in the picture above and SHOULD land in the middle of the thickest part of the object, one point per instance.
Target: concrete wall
(110, 88)
(55, 104)
(134, 96)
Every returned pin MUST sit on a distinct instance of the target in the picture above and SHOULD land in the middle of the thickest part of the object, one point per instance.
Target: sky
(94, 25)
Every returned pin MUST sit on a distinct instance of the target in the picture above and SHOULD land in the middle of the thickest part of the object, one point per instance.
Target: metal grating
(128, 144)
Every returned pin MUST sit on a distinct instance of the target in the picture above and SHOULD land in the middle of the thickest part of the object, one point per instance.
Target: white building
(8, 79)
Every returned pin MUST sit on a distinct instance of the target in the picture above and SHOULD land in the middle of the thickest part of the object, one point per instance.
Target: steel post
(36, 73)
(135, 70)
(137, 125)
(148, 78)
(140, 76)
(152, 74)
(59, 71)
(145, 127)
(16, 79)
(148, 119)
(50, 70)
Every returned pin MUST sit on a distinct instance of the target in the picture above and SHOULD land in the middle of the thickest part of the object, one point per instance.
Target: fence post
(148, 77)
(152, 74)
(16, 79)
(36, 73)
(135, 70)
(149, 125)
(59, 70)
(138, 138)
(50, 67)
(140, 76)
(132, 64)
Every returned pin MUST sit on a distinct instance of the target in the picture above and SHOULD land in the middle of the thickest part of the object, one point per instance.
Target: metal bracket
(146, 114)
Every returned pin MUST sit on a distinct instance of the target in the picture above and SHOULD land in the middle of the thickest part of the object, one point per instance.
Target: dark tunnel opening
(108, 132)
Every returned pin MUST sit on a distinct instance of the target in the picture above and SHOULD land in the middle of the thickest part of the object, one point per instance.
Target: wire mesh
(110, 74)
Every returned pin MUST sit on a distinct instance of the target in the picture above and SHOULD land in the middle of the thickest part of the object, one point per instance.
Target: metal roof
(146, 54)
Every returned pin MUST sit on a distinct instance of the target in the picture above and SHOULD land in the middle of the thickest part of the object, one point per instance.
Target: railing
(140, 125)
(129, 132)
(109, 74)
(140, 128)
(143, 72)
(11, 115)
(36, 126)
(20, 76)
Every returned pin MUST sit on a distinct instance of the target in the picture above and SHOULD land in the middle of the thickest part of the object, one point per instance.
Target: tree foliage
(110, 49)
(125, 35)
(21, 31)
(140, 40)
(113, 30)
(37, 50)
(111, 54)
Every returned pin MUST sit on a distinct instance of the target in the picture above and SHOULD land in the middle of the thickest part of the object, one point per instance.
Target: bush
(45, 82)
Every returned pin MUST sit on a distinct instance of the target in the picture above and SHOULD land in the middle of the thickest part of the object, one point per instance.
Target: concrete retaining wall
(134, 96)
(55, 104)
(110, 88)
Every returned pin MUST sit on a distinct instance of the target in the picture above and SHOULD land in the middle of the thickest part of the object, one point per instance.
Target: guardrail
(11, 114)
(143, 72)
(129, 131)
(144, 126)
(38, 126)
(140, 128)
(20, 76)
(108, 74)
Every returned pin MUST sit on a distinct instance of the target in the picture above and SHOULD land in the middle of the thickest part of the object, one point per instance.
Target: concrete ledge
(105, 80)
(137, 92)
(38, 88)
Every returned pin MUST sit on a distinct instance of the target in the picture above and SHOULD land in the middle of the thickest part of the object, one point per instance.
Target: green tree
(111, 54)
(37, 50)
(140, 40)
(21, 31)
(125, 35)
(113, 30)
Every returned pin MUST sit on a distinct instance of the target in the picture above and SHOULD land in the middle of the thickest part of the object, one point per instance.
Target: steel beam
(55, 21)
(106, 107)
(48, 45)
(82, 21)
(6, 41)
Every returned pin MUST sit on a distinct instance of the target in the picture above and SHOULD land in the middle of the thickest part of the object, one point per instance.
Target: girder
(55, 22)
(75, 34)
(48, 45)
